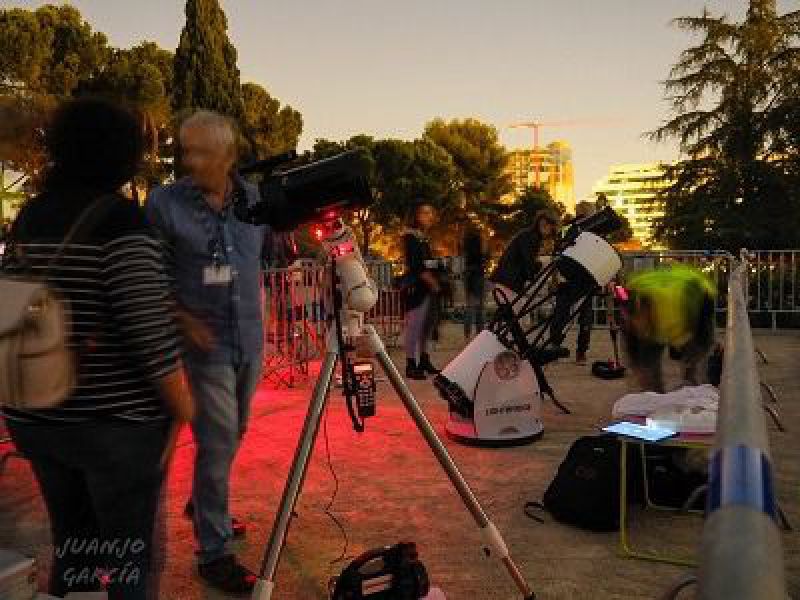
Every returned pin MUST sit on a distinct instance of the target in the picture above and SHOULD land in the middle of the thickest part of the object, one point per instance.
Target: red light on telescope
(343, 249)
(319, 233)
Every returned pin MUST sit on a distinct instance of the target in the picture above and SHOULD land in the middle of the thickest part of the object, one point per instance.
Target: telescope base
(463, 431)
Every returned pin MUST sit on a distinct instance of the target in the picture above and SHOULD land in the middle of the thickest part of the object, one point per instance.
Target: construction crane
(535, 125)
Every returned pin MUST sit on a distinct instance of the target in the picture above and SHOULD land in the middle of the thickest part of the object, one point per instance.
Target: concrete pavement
(391, 489)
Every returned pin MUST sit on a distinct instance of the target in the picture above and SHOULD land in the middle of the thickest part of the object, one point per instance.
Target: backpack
(585, 490)
(37, 369)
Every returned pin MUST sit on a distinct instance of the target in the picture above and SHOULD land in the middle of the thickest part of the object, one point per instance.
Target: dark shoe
(228, 575)
(558, 351)
(549, 354)
(426, 366)
(238, 527)
(580, 358)
(413, 371)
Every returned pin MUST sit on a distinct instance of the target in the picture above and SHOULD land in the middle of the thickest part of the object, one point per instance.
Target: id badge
(217, 275)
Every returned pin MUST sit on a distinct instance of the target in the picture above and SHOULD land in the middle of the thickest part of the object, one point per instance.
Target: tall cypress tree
(205, 69)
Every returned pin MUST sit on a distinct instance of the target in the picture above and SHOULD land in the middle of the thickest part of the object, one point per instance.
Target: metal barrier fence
(773, 282)
(742, 555)
(772, 279)
(295, 302)
(296, 305)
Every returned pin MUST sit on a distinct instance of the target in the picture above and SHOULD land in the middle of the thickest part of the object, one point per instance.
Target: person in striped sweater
(99, 458)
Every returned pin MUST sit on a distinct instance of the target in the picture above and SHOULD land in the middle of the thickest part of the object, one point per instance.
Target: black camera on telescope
(602, 223)
(303, 194)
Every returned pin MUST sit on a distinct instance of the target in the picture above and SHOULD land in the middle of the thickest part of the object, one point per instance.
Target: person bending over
(521, 261)
(668, 308)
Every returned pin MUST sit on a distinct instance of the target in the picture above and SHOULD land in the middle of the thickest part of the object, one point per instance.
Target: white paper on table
(644, 404)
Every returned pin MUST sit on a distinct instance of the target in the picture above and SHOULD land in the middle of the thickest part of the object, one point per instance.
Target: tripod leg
(492, 539)
(294, 483)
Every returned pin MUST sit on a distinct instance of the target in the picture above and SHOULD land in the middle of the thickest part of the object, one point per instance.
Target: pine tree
(205, 69)
(732, 95)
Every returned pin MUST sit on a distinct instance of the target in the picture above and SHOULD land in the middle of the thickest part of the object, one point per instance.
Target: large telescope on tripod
(341, 183)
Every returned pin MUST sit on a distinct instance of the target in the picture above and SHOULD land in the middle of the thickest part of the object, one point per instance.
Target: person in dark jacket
(474, 280)
(422, 287)
(521, 260)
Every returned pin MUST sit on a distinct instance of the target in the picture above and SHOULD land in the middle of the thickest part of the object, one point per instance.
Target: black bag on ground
(585, 490)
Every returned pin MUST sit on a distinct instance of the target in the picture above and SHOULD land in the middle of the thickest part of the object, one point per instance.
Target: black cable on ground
(327, 509)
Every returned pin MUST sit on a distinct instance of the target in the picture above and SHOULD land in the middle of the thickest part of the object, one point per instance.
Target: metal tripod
(493, 543)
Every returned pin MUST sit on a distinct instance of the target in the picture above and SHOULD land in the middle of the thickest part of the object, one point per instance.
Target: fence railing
(296, 306)
(295, 301)
(742, 555)
(773, 282)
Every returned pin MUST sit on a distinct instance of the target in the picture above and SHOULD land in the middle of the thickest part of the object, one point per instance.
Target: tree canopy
(270, 127)
(735, 106)
(52, 54)
(478, 157)
(44, 55)
(401, 173)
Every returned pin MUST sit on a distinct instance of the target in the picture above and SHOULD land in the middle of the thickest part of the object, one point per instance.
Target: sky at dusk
(385, 68)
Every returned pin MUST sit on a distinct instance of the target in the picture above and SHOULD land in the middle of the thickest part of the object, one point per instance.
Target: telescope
(306, 193)
(496, 385)
(388, 573)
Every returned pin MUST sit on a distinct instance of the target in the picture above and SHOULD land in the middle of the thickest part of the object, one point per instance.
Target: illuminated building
(632, 191)
(550, 166)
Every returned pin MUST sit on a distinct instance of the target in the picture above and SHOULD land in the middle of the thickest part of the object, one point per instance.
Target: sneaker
(426, 366)
(413, 371)
(551, 352)
(561, 351)
(227, 575)
(580, 358)
(238, 527)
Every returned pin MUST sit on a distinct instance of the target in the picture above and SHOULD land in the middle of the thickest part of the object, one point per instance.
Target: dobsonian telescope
(495, 386)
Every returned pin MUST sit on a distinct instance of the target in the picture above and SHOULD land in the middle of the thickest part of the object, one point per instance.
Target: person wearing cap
(669, 308)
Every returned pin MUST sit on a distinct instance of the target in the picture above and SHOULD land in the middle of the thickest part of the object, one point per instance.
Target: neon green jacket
(675, 295)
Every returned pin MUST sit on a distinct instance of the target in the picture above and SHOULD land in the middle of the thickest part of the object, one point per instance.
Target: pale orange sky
(385, 68)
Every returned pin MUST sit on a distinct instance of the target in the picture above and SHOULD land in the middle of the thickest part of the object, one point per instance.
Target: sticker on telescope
(741, 476)
(506, 365)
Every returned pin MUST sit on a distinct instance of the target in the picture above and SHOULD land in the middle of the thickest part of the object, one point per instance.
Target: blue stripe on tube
(741, 476)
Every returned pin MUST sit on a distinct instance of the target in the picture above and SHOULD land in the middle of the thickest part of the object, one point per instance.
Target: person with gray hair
(215, 261)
